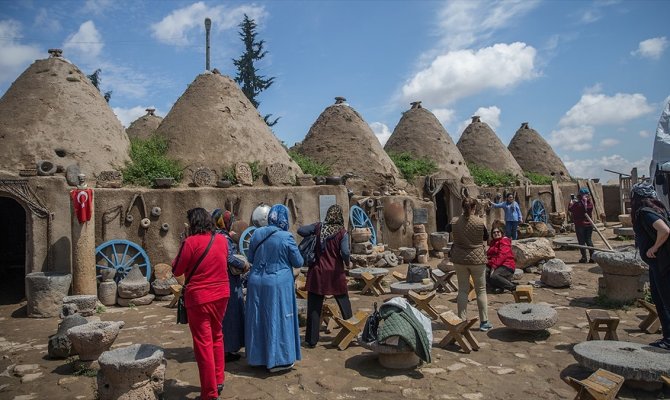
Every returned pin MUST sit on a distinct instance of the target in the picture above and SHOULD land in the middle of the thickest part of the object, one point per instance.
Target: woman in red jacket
(500, 265)
(206, 297)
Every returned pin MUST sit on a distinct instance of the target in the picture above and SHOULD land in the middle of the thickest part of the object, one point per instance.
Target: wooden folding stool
(373, 284)
(601, 385)
(350, 329)
(523, 294)
(422, 302)
(399, 276)
(328, 311)
(459, 332)
(472, 294)
(176, 291)
(651, 324)
(601, 321)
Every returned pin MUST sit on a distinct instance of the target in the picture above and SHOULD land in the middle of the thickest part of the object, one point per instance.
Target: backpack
(307, 249)
(371, 326)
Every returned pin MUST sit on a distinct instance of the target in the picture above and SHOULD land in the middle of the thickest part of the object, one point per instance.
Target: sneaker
(582, 260)
(280, 368)
(485, 326)
(661, 344)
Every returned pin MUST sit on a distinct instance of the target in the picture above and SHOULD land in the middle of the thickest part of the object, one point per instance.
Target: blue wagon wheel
(245, 239)
(537, 211)
(359, 219)
(121, 255)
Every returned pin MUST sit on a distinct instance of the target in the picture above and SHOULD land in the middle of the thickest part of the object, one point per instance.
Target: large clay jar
(394, 216)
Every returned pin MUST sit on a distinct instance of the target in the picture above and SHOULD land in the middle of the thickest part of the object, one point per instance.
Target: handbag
(371, 326)
(182, 317)
(307, 249)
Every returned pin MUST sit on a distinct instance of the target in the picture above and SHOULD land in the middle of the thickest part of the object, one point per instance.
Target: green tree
(96, 80)
(248, 78)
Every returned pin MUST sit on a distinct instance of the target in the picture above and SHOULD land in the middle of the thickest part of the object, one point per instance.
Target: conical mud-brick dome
(420, 134)
(341, 139)
(480, 145)
(534, 154)
(53, 112)
(214, 125)
(145, 125)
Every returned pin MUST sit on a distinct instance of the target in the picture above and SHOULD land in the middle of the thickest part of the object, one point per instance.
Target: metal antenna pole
(208, 27)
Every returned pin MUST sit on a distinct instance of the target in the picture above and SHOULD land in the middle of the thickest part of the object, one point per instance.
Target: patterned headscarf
(643, 190)
(278, 216)
(223, 219)
(333, 223)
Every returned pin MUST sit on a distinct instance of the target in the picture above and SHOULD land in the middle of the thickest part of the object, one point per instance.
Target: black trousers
(500, 278)
(584, 234)
(314, 305)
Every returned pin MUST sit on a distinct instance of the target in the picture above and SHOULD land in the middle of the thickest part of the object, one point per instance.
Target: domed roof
(144, 126)
(53, 112)
(341, 139)
(481, 146)
(534, 154)
(421, 134)
(214, 125)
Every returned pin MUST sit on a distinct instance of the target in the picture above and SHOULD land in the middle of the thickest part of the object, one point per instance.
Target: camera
(572, 196)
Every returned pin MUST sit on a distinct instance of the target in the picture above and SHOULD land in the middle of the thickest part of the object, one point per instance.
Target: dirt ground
(509, 365)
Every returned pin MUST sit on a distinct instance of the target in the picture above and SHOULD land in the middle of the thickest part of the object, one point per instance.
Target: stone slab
(357, 272)
(633, 361)
(528, 316)
(404, 287)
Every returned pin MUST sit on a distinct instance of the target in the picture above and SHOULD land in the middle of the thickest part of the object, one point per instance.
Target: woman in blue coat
(272, 335)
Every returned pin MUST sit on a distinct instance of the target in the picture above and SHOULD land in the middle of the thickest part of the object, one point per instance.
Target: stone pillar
(83, 249)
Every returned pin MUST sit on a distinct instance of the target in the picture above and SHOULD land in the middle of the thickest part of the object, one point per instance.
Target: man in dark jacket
(580, 208)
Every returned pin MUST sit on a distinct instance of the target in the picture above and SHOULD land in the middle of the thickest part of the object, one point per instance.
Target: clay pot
(361, 235)
(333, 180)
(394, 216)
(224, 183)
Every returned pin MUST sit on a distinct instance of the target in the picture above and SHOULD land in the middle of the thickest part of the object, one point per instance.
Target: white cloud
(609, 142)
(46, 21)
(467, 22)
(644, 133)
(85, 43)
(128, 115)
(462, 73)
(575, 138)
(15, 56)
(599, 109)
(444, 115)
(381, 131)
(651, 48)
(595, 167)
(179, 27)
(97, 7)
(489, 115)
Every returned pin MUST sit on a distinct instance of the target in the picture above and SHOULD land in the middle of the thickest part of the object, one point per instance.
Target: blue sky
(591, 77)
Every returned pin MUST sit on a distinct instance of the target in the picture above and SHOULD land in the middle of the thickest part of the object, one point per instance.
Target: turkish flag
(82, 200)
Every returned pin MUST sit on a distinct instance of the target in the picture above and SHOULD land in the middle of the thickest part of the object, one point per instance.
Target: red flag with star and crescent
(82, 200)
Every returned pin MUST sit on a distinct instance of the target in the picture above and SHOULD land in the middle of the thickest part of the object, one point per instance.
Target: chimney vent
(340, 100)
(150, 111)
(55, 53)
(415, 104)
(475, 118)
(524, 125)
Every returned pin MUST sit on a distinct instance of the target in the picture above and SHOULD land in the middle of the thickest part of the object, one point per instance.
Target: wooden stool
(176, 291)
(422, 302)
(601, 321)
(448, 280)
(300, 290)
(665, 379)
(471, 292)
(373, 284)
(651, 323)
(399, 276)
(459, 332)
(523, 294)
(601, 385)
(440, 279)
(350, 329)
(328, 311)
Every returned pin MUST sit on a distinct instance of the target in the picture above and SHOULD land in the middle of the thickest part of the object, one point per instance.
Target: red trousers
(205, 320)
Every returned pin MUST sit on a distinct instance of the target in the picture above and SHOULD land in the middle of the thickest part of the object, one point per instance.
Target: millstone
(404, 287)
(528, 316)
(357, 272)
(633, 361)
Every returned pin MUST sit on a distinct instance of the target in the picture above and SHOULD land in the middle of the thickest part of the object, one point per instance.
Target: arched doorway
(12, 251)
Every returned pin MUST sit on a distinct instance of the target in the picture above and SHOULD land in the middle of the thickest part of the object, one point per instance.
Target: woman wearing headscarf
(469, 258)
(272, 334)
(650, 223)
(206, 297)
(327, 276)
(233, 321)
(579, 209)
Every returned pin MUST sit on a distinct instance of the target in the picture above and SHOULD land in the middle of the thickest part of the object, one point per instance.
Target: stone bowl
(528, 316)
(45, 292)
(140, 358)
(439, 240)
(163, 182)
(90, 340)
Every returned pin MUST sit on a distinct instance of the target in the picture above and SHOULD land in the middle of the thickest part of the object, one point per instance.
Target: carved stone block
(280, 175)
(243, 174)
(109, 179)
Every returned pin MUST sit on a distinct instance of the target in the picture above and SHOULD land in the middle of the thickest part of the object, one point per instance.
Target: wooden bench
(328, 311)
(443, 281)
(651, 324)
(422, 302)
(601, 385)
(458, 332)
(350, 329)
(176, 291)
(373, 284)
(601, 321)
(523, 294)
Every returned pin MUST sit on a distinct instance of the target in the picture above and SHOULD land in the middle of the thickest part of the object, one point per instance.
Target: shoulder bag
(182, 318)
